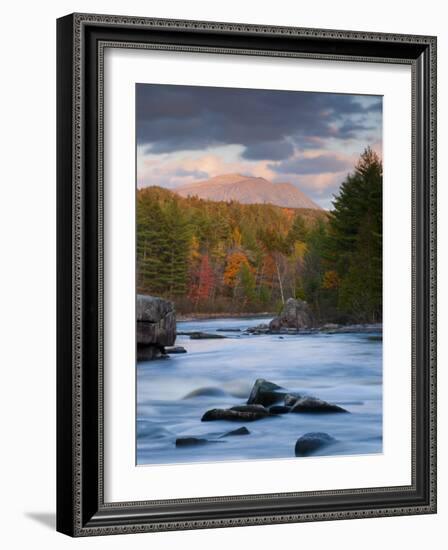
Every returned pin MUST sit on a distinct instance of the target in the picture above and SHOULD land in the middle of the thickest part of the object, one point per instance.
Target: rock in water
(175, 349)
(279, 409)
(235, 415)
(311, 442)
(206, 336)
(156, 326)
(190, 441)
(148, 353)
(249, 408)
(239, 431)
(314, 405)
(265, 393)
(206, 392)
(291, 399)
(295, 314)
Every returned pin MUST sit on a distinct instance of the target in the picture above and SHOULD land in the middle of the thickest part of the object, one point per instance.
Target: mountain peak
(248, 190)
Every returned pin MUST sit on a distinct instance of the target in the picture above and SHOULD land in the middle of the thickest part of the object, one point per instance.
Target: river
(345, 369)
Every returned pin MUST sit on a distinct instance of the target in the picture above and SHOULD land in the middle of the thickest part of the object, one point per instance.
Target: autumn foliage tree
(228, 257)
(202, 281)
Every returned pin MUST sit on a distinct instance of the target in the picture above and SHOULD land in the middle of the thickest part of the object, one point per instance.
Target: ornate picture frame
(81, 43)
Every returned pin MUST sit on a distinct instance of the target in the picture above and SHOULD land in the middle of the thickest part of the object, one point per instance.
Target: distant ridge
(248, 190)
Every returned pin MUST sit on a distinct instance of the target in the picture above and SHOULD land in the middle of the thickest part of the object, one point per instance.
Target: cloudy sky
(312, 140)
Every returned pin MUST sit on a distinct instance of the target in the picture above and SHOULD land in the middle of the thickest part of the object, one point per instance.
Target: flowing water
(345, 369)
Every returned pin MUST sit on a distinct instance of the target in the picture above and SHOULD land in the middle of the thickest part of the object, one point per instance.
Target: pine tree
(298, 231)
(355, 243)
(177, 253)
(247, 280)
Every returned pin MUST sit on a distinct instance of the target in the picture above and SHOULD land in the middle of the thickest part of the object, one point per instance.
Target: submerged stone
(190, 441)
(239, 431)
(206, 392)
(279, 409)
(314, 405)
(312, 442)
(235, 415)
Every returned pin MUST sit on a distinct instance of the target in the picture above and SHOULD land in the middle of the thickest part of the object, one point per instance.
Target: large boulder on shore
(295, 314)
(156, 326)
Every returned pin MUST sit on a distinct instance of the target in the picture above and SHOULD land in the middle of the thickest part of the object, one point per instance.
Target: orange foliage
(330, 280)
(233, 266)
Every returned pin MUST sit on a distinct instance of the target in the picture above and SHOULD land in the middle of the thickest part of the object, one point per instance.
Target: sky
(310, 139)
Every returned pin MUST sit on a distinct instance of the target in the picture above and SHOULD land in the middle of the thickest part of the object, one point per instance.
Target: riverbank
(183, 317)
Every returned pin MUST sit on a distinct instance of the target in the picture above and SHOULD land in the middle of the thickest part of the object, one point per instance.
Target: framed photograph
(246, 274)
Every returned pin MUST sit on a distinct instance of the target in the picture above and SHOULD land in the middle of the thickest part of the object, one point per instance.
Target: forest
(232, 258)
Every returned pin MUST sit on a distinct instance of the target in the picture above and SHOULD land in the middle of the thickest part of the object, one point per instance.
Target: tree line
(227, 257)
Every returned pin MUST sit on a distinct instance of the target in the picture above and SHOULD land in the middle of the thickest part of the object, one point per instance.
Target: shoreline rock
(155, 326)
(175, 349)
(324, 329)
(295, 314)
(206, 336)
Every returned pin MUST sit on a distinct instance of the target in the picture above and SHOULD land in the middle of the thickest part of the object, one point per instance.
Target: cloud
(197, 174)
(319, 164)
(273, 150)
(311, 139)
(269, 124)
(172, 169)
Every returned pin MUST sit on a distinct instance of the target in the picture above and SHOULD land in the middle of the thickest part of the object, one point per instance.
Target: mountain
(248, 190)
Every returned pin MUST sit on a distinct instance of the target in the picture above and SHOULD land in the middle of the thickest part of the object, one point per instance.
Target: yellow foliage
(300, 249)
(236, 236)
(194, 249)
(330, 280)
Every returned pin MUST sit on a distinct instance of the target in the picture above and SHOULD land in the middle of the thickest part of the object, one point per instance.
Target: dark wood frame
(81, 39)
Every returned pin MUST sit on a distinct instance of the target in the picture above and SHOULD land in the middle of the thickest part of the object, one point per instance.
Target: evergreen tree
(298, 231)
(176, 255)
(355, 243)
(247, 280)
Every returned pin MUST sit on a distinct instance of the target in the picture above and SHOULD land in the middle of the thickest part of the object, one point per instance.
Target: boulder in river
(279, 409)
(242, 415)
(239, 431)
(206, 392)
(190, 441)
(265, 393)
(156, 326)
(291, 399)
(150, 352)
(249, 408)
(295, 314)
(314, 405)
(262, 328)
(312, 442)
(205, 336)
(175, 349)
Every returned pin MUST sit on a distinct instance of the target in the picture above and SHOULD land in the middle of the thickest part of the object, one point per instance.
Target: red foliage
(202, 281)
